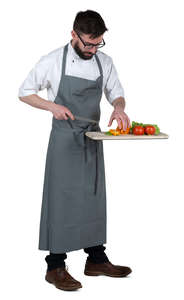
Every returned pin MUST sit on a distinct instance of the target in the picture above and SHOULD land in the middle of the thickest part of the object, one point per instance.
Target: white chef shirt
(47, 73)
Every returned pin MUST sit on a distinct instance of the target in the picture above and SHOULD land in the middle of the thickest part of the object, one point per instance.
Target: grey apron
(73, 211)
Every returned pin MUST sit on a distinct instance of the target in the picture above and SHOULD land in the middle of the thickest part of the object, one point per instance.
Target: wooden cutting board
(100, 135)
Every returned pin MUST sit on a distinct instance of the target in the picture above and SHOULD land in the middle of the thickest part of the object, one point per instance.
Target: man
(73, 213)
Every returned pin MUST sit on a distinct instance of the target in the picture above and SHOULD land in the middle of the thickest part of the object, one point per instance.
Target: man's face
(82, 51)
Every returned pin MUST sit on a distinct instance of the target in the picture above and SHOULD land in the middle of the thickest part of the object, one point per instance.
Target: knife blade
(85, 119)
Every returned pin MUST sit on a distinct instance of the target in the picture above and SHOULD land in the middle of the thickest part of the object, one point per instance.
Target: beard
(81, 54)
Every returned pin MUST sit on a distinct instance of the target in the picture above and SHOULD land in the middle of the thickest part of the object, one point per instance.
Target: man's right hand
(60, 112)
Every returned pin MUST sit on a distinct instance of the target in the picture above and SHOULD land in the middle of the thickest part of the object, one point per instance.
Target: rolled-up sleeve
(113, 88)
(36, 79)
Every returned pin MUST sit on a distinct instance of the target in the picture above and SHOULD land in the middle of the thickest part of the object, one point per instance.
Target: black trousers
(96, 254)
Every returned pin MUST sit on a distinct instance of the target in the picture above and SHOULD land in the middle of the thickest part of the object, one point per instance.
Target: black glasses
(89, 45)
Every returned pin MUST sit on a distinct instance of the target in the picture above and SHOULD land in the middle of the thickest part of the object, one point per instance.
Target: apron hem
(72, 249)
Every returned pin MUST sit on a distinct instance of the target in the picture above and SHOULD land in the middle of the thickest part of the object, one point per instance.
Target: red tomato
(138, 130)
(149, 129)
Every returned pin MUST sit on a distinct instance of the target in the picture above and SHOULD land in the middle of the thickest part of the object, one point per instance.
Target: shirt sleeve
(36, 79)
(113, 88)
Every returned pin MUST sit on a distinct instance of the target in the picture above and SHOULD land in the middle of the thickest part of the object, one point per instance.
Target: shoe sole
(64, 288)
(101, 273)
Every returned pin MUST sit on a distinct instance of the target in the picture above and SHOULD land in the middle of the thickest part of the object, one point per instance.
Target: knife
(85, 119)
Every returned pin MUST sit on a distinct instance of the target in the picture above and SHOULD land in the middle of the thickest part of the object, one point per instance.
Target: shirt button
(73, 60)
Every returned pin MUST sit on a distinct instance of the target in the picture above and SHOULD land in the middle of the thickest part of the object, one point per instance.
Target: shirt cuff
(115, 97)
(26, 93)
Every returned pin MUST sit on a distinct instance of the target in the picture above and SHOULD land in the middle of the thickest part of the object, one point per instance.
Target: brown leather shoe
(62, 279)
(106, 268)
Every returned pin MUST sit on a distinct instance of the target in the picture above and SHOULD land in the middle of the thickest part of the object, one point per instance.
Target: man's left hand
(121, 117)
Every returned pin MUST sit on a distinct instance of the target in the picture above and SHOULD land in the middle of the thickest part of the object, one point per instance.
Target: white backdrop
(144, 178)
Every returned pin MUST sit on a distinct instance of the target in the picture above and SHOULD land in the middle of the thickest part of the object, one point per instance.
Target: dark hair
(89, 22)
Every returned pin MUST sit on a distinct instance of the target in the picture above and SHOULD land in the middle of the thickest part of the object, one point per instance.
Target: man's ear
(74, 35)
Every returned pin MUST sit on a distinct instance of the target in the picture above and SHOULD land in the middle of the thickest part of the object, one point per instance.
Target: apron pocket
(67, 161)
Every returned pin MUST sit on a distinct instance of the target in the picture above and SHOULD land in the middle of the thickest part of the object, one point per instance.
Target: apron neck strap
(99, 65)
(64, 59)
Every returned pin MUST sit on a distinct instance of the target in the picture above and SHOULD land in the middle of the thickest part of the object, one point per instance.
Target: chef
(73, 211)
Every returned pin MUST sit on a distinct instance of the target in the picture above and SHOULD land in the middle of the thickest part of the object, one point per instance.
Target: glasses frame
(90, 45)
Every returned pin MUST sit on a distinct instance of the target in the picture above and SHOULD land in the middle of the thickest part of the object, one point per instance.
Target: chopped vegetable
(123, 131)
(142, 129)
(115, 132)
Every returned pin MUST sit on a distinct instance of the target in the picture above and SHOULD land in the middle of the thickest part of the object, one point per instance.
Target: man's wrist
(50, 105)
(119, 103)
